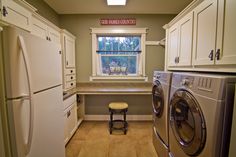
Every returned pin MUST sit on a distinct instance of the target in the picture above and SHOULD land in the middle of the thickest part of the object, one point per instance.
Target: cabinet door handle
(176, 59)
(217, 55)
(68, 114)
(46, 37)
(211, 55)
(49, 38)
(4, 11)
(66, 62)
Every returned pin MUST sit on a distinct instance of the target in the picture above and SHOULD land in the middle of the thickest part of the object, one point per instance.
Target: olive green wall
(80, 25)
(138, 104)
(45, 10)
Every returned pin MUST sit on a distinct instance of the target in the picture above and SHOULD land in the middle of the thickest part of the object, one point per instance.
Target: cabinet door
(66, 132)
(205, 16)
(185, 40)
(226, 36)
(54, 35)
(15, 14)
(72, 119)
(173, 45)
(69, 50)
(39, 28)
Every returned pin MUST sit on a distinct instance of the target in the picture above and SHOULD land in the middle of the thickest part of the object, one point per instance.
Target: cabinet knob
(71, 70)
(71, 77)
(217, 55)
(211, 55)
(4, 11)
(71, 84)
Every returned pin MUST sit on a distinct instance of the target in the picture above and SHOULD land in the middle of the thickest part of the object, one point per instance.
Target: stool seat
(118, 108)
(118, 105)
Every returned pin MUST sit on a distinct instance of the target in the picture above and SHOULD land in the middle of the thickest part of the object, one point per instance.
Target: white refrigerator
(33, 76)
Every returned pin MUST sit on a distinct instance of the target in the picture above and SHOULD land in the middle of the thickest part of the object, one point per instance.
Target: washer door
(157, 99)
(187, 122)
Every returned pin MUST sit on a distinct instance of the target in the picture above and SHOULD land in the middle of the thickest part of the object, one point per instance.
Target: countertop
(111, 88)
(114, 88)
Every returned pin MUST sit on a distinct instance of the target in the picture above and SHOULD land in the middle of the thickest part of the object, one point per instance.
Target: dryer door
(157, 99)
(187, 122)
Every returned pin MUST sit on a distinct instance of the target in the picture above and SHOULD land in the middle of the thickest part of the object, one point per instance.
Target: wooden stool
(118, 108)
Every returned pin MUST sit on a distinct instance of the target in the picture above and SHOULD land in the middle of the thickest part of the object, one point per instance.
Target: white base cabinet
(73, 115)
(70, 117)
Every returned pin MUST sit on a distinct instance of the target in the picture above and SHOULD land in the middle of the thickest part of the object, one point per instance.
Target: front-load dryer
(160, 97)
(200, 114)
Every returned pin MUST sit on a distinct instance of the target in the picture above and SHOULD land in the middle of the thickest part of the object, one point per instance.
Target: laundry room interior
(117, 78)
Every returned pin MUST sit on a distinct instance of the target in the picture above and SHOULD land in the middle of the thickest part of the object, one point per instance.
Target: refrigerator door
(44, 60)
(19, 121)
(48, 132)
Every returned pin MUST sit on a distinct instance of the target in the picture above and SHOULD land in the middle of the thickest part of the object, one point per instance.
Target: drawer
(69, 101)
(69, 71)
(70, 78)
(70, 84)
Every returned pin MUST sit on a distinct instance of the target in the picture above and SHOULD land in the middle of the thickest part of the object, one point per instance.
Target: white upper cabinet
(69, 50)
(207, 37)
(43, 30)
(39, 28)
(173, 45)
(226, 33)
(180, 42)
(205, 16)
(185, 40)
(14, 14)
(54, 35)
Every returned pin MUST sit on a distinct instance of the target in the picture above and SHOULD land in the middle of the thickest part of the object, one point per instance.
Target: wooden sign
(120, 21)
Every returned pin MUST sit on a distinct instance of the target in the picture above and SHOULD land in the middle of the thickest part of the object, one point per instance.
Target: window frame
(96, 32)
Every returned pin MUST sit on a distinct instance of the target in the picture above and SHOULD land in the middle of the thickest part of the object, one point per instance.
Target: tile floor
(92, 139)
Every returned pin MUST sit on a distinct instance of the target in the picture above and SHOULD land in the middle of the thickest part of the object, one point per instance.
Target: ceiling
(132, 7)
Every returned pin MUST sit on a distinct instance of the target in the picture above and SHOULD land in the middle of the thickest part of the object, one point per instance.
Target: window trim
(119, 31)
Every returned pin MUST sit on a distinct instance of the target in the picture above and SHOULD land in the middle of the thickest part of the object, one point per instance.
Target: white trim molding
(107, 117)
(96, 74)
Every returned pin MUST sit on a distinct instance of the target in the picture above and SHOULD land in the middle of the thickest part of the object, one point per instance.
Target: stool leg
(125, 123)
(111, 121)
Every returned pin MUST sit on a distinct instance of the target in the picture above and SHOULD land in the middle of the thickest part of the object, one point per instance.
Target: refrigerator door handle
(30, 96)
(22, 97)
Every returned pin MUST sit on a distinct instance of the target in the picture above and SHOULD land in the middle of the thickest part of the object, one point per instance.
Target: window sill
(119, 78)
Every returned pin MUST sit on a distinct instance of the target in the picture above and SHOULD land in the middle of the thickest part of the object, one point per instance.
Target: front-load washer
(160, 97)
(200, 114)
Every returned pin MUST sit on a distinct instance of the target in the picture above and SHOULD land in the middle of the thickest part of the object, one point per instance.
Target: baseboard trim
(107, 117)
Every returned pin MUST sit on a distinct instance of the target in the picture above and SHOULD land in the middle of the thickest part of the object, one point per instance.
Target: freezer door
(48, 132)
(43, 58)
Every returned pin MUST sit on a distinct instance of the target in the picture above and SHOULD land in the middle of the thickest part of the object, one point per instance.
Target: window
(118, 54)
